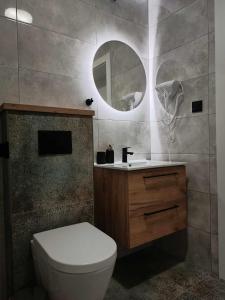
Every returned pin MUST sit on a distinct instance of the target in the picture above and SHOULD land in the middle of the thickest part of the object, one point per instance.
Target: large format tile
(115, 28)
(8, 38)
(215, 254)
(213, 174)
(194, 89)
(212, 134)
(50, 52)
(123, 134)
(4, 4)
(199, 210)
(73, 18)
(52, 90)
(186, 25)
(185, 62)
(214, 214)
(161, 9)
(212, 94)
(211, 15)
(199, 249)
(135, 11)
(211, 52)
(9, 84)
(191, 136)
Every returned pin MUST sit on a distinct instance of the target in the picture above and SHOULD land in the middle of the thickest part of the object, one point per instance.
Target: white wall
(220, 125)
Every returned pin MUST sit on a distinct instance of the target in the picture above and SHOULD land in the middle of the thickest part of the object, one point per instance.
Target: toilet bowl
(74, 262)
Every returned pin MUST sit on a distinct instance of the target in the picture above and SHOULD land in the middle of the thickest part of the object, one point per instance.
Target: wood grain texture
(47, 109)
(111, 204)
(139, 206)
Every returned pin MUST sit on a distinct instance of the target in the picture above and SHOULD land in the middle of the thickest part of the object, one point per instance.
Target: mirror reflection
(119, 75)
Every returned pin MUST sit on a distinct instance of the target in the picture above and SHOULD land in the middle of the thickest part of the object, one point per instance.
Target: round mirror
(119, 75)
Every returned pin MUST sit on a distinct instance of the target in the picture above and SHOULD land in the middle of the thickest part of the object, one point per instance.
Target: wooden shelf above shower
(46, 109)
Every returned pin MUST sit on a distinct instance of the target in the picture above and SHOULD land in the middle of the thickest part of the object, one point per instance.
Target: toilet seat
(75, 249)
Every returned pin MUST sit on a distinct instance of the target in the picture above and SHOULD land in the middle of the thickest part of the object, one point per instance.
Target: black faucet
(125, 153)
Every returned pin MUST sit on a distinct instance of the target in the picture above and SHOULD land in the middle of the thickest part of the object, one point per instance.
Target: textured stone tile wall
(182, 41)
(49, 62)
(45, 192)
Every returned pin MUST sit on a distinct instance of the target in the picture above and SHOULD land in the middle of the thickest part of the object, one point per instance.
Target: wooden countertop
(47, 109)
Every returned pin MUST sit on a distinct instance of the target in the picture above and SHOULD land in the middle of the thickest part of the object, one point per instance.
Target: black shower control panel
(197, 106)
(54, 142)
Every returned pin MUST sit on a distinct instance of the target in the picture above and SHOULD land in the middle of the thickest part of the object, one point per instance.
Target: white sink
(139, 164)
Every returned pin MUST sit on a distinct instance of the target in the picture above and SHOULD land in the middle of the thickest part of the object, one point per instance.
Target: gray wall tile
(199, 210)
(8, 38)
(214, 252)
(214, 214)
(212, 133)
(73, 18)
(190, 136)
(199, 251)
(9, 84)
(211, 15)
(185, 62)
(182, 27)
(126, 9)
(51, 90)
(114, 28)
(212, 52)
(50, 52)
(212, 94)
(161, 9)
(213, 175)
(4, 4)
(122, 134)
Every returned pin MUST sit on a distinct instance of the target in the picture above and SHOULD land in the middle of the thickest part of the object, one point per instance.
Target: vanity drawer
(156, 187)
(147, 225)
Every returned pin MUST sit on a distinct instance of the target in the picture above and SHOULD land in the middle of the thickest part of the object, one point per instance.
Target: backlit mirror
(119, 75)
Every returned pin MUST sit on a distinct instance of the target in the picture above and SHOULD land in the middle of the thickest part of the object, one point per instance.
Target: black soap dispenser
(109, 155)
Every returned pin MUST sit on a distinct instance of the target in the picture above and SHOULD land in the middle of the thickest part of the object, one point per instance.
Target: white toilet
(74, 262)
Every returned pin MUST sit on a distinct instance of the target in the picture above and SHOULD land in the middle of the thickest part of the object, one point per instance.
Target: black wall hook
(89, 101)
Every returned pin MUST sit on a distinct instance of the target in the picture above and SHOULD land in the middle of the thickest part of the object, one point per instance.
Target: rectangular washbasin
(140, 164)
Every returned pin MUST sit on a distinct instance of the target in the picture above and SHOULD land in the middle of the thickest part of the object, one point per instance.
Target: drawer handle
(161, 210)
(162, 175)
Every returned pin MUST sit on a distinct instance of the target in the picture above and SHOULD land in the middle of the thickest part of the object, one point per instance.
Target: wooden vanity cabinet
(139, 206)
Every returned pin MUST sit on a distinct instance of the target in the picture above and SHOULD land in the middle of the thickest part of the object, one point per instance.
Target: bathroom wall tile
(131, 10)
(188, 24)
(4, 4)
(212, 133)
(161, 9)
(122, 134)
(73, 18)
(194, 89)
(211, 15)
(197, 171)
(186, 62)
(199, 210)
(50, 52)
(190, 136)
(212, 94)
(9, 84)
(212, 52)
(8, 38)
(52, 90)
(213, 175)
(214, 252)
(199, 249)
(123, 30)
(214, 214)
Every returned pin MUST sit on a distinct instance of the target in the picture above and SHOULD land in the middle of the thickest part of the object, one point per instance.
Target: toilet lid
(79, 248)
